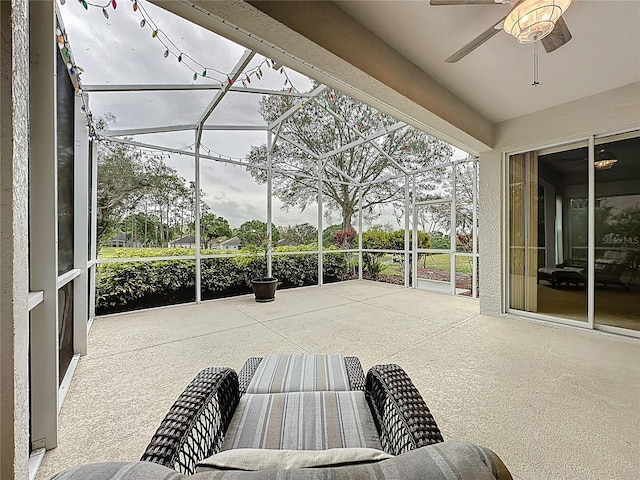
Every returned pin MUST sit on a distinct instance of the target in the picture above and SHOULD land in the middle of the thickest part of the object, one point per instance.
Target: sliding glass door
(562, 238)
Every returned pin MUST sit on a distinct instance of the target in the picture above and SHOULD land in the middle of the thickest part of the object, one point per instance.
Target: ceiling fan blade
(437, 3)
(558, 37)
(475, 43)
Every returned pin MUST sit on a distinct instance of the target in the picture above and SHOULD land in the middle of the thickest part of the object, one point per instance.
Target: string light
(185, 59)
(74, 73)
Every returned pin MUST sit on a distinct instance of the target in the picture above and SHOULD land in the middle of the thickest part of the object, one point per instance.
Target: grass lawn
(128, 252)
(432, 262)
(438, 261)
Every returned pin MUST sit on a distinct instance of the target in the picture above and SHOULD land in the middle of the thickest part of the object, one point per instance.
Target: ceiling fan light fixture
(605, 159)
(604, 164)
(532, 20)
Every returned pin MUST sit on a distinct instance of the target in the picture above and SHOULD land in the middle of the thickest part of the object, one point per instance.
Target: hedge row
(122, 287)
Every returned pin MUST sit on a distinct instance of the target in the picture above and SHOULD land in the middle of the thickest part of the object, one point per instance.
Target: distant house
(286, 243)
(231, 244)
(188, 241)
(119, 241)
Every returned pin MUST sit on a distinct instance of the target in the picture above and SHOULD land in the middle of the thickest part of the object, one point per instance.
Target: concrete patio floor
(554, 402)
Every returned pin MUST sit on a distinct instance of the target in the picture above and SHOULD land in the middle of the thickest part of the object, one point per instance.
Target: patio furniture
(567, 274)
(302, 413)
(609, 270)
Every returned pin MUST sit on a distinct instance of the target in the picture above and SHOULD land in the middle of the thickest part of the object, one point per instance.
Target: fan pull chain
(535, 64)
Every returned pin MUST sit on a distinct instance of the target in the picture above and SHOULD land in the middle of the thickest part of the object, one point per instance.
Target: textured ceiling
(496, 78)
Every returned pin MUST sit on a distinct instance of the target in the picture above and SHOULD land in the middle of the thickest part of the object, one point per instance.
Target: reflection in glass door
(617, 232)
(548, 233)
(568, 245)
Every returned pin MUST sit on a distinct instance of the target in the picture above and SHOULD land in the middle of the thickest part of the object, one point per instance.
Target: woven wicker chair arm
(402, 418)
(247, 372)
(195, 426)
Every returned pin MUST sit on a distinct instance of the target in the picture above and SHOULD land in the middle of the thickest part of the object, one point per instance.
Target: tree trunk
(146, 231)
(347, 214)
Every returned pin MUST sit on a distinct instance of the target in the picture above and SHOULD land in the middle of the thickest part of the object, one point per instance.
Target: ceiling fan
(528, 21)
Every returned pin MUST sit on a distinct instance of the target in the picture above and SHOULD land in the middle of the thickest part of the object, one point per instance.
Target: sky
(122, 50)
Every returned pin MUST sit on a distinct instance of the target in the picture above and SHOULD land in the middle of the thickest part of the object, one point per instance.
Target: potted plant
(264, 287)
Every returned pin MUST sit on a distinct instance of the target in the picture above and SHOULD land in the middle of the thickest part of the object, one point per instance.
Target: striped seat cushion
(450, 460)
(302, 421)
(300, 373)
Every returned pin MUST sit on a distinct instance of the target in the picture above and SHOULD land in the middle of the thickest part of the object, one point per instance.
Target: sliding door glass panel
(563, 233)
(617, 233)
(548, 233)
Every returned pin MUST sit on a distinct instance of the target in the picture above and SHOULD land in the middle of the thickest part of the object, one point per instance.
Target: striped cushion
(442, 461)
(302, 421)
(300, 373)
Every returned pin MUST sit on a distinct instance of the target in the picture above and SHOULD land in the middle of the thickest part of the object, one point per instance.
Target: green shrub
(157, 282)
(134, 285)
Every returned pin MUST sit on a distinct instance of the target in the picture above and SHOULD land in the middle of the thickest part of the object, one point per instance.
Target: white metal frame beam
(230, 161)
(293, 142)
(237, 70)
(146, 130)
(361, 135)
(360, 141)
(187, 88)
(316, 91)
(248, 128)
(179, 128)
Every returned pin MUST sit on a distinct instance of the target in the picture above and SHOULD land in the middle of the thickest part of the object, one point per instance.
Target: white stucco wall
(14, 285)
(607, 112)
(490, 232)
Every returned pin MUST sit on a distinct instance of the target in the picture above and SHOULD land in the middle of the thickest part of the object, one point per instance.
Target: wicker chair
(295, 397)
(196, 424)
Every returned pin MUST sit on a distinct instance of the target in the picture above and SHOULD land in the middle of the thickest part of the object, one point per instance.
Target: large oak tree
(325, 125)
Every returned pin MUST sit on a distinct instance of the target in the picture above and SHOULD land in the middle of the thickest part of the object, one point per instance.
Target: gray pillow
(268, 459)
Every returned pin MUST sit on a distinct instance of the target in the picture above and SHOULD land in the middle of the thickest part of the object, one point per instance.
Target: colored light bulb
(104, 12)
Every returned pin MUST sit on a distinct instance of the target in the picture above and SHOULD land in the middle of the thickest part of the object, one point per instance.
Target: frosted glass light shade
(533, 20)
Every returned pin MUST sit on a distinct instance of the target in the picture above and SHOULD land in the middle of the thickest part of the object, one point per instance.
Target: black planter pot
(265, 289)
